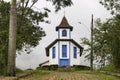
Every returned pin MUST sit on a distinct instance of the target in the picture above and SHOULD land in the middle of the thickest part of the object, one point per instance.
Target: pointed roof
(64, 24)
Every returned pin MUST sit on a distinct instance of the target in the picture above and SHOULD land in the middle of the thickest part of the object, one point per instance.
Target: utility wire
(84, 26)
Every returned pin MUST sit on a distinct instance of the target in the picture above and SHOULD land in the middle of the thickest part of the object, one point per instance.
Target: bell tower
(64, 29)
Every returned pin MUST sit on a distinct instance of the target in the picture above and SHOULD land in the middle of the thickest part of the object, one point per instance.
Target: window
(64, 33)
(53, 52)
(75, 52)
(64, 50)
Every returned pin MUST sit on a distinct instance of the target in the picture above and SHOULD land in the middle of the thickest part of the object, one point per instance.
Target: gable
(71, 40)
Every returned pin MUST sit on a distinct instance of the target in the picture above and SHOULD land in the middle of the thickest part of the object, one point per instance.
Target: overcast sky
(80, 12)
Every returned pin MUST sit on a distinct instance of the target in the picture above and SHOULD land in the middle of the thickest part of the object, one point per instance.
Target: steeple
(64, 24)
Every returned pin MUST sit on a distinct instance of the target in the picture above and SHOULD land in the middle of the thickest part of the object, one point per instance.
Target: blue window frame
(75, 52)
(53, 52)
(64, 33)
(64, 50)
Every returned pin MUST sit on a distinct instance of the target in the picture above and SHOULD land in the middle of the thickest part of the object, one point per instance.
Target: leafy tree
(114, 29)
(4, 12)
(113, 5)
(100, 48)
(113, 39)
(28, 31)
(106, 41)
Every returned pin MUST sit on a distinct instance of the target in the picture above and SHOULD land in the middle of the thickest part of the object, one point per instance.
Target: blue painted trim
(64, 50)
(69, 52)
(74, 52)
(53, 52)
(58, 34)
(58, 52)
(58, 47)
(70, 34)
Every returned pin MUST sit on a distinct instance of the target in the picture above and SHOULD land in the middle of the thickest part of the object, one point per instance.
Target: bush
(2, 71)
(18, 70)
(110, 68)
(81, 67)
(53, 67)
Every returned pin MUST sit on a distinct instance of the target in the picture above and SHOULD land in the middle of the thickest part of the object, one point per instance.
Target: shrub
(81, 67)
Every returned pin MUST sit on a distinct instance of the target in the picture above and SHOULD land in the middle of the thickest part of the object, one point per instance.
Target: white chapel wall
(54, 61)
(74, 61)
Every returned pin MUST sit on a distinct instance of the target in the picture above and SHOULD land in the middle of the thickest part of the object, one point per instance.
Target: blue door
(64, 62)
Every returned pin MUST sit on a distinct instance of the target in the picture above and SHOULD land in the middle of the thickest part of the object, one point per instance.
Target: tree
(113, 5)
(114, 29)
(100, 48)
(12, 39)
(106, 39)
(3, 36)
(25, 27)
(13, 30)
(113, 39)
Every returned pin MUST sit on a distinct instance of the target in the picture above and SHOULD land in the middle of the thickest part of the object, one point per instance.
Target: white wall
(53, 61)
(74, 61)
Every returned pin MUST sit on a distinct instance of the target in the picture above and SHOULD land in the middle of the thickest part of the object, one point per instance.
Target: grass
(99, 76)
(79, 75)
(110, 68)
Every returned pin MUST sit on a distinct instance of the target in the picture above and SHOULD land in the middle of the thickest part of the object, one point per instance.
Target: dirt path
(57, 76)
(69, 76)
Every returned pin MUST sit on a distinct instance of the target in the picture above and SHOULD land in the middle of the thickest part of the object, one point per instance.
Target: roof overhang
(70, 27)
(71, 40)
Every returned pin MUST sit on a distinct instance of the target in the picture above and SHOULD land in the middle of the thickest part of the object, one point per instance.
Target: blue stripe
(58, 47)
(53, 52)
(58, 34)
(75, 52)
(70, 34)
(58, 52)
(69, 52)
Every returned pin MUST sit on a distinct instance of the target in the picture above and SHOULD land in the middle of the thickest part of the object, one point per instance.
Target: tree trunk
(12, 39)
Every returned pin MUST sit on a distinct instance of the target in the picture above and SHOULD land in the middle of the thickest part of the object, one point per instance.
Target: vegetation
(112, 5)
(82, 75)
(110, 68)
(23, 22)
(114, 29)
(24, 26)
(106, 42)
(106, 37)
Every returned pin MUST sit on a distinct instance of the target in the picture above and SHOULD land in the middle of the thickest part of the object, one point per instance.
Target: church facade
(64, 51)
